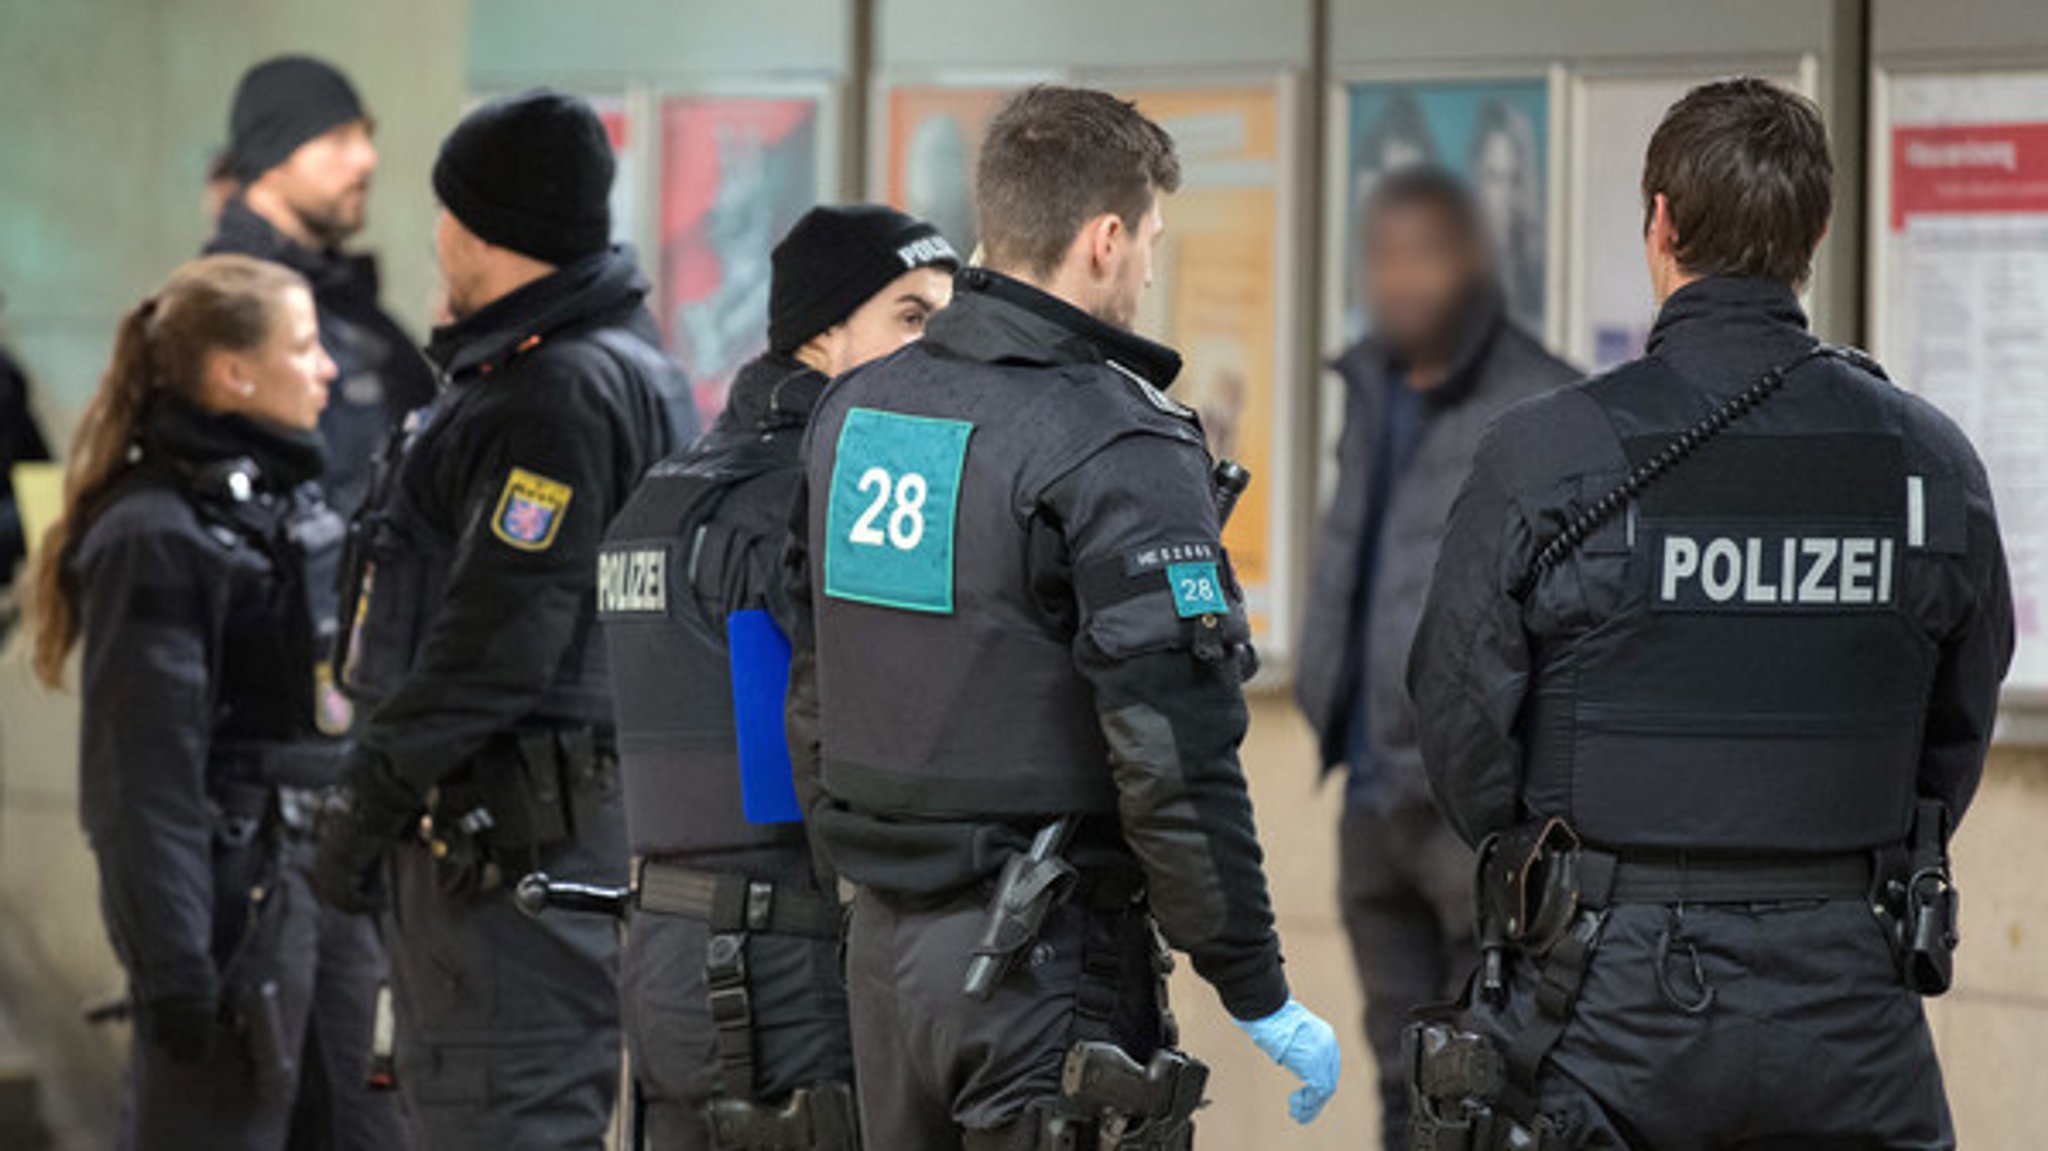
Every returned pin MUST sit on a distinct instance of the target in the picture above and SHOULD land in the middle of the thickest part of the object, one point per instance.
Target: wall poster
(1217, 297)
(934, 137)
(736, 173)
(1494, 132)
(1961, 297)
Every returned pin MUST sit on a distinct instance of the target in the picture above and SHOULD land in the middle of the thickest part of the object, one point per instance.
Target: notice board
(1961, 296)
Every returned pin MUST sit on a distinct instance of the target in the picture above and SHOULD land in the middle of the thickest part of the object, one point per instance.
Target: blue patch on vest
(760, 681)
(889, 524)
(1196, 590)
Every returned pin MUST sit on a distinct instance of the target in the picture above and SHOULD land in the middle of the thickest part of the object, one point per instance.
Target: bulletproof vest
(1762, 686)
(948, 679)
(281, 712)
(701, 537)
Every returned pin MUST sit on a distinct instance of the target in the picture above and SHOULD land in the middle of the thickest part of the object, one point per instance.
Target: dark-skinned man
(696, 552)
(485, 696)
(1442, 361)
(300, 156)
(1709, 668)
(1021, 619)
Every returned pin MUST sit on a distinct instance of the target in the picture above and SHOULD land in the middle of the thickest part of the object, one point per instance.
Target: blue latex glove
(1298, 1039)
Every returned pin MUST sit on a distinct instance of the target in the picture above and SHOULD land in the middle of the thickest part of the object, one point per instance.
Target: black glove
(183, 1025)
(357, 829)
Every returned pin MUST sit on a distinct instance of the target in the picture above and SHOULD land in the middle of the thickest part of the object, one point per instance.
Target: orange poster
(1216, 299)
(934, 138)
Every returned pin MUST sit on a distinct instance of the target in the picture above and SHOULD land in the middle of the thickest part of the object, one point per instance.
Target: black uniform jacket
(546, 426)
(197, 642)
(1486, 661)
(1108, 485)
(382, 374)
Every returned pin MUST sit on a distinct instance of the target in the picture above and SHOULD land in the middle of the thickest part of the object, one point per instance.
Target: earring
(247, 387)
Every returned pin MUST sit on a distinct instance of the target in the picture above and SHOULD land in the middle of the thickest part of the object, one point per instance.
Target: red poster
(736, 172)
(1969, 169)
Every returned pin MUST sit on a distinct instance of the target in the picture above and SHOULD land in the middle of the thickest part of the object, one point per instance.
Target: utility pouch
(259, 1016)
(1927, 905)
(1528, 892)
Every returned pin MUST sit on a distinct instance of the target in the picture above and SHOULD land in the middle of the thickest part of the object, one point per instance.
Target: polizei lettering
(633, 582)
(1775, 572)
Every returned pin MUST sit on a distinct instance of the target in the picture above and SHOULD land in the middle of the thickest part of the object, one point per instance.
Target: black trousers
(1810, 1041)
(938, 1071)
(508, 1027)
(327, 966)
(1405, 882)
(800, 1028)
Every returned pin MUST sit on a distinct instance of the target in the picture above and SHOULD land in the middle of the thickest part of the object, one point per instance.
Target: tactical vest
(282, 711)
(1763, 684)
(948, 679)
(699, 539)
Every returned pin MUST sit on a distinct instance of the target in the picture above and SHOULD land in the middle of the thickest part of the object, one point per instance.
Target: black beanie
(532, 173)
(282, 103)
(835, 258)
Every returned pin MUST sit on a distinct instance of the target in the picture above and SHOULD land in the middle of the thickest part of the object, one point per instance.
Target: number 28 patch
(894, 496)
(529, 513)
(1197, 590)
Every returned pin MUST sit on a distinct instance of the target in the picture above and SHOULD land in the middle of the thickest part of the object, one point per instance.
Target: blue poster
(1495, 133)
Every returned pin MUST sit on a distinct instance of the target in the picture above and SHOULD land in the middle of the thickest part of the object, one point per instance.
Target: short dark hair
(1430, 186)
(1744, 166)
(1055, 158)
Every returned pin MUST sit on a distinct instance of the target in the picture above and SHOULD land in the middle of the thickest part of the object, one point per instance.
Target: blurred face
(1419, 275)
(326, 183)
(284, 381)
(1126, 259)
(890, 318)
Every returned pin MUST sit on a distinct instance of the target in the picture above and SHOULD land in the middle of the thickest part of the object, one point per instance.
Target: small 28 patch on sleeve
(1197, 590)
(530, 511)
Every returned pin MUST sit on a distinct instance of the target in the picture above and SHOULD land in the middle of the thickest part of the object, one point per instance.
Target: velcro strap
(734, 903)
(1676, 877)
(1105, 583)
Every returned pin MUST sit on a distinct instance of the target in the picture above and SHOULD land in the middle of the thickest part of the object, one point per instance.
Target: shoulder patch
(529, 513)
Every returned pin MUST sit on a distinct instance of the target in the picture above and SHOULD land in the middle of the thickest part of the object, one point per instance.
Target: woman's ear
(227, 380)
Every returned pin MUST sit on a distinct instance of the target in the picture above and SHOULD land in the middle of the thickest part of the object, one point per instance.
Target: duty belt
(1680, 877)
(734, 903)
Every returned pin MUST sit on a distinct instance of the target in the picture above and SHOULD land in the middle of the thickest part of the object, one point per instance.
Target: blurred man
(695, 554)
(1442, 361)
(473, 650)
(21, 441)
(296, 173)
(1710, 665)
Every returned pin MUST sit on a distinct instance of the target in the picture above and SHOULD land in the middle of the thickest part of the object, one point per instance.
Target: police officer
(1023, 612)
(301, 156)
(701, 540)
(195, 562)
(1711, 658)
(487, 699)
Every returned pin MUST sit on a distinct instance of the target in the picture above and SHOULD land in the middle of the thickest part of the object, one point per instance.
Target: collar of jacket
(1481, 325)
(241, 231)
(602, 286)
(999, 320)
(772, 391)
(188, 437)
(1707, 307)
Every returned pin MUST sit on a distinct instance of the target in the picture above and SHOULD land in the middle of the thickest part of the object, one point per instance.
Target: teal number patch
(1196, 590)
(889, 526)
